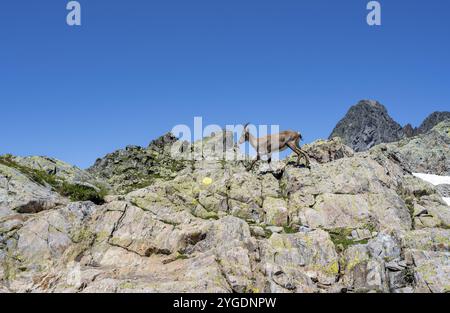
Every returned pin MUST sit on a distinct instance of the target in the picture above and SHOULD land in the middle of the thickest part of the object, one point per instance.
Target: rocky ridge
(368, 123)
(135, 166)
(354, 222)
(432, 120)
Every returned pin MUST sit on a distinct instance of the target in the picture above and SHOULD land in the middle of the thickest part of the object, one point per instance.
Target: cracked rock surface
(354, 222)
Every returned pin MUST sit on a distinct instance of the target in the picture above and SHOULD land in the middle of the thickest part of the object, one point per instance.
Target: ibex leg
(300, 153)
(254, 161)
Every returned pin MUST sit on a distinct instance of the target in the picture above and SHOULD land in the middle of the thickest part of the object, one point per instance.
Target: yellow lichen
(126, 285)
(207, 181)
(333, 268)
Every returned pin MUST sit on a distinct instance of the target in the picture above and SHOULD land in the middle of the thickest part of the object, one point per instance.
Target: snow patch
(447, 200)
(434, 179)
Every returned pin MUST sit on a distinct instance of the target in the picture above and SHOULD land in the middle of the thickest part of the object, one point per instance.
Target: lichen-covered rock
(41, 242)
(18, 193)
(432, 271)
(353, 222)
(295, 261)
(426, 153)
(354, 263)
(276, 211)
(144, 233)
(60, 170)
(135, 167)
(324, 151)
(349, 192)
(443, 190)
(384, 247)
(431, 239)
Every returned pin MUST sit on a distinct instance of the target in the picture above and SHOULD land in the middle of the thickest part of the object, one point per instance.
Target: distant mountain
(368, 123)
(432, 120)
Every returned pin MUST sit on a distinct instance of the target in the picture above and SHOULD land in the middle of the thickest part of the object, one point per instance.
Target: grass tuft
(74, 192)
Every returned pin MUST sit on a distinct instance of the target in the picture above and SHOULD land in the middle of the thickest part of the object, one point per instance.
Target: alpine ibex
(265, 146)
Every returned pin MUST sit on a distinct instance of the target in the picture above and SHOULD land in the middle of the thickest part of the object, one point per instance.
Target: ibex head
(245, 135)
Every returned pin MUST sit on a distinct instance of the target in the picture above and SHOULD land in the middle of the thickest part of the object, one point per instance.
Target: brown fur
(266, 145)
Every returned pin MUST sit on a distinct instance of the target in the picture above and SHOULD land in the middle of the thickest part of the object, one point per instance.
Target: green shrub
(290, 229)
(340, 238)
(72, 191)
(38, 176)
(81, 193)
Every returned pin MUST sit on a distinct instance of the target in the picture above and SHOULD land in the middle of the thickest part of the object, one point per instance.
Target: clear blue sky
(134, 69)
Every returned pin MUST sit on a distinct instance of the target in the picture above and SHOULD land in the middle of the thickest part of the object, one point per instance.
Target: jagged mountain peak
(370, 103)
(432, 120)
(367, 124)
